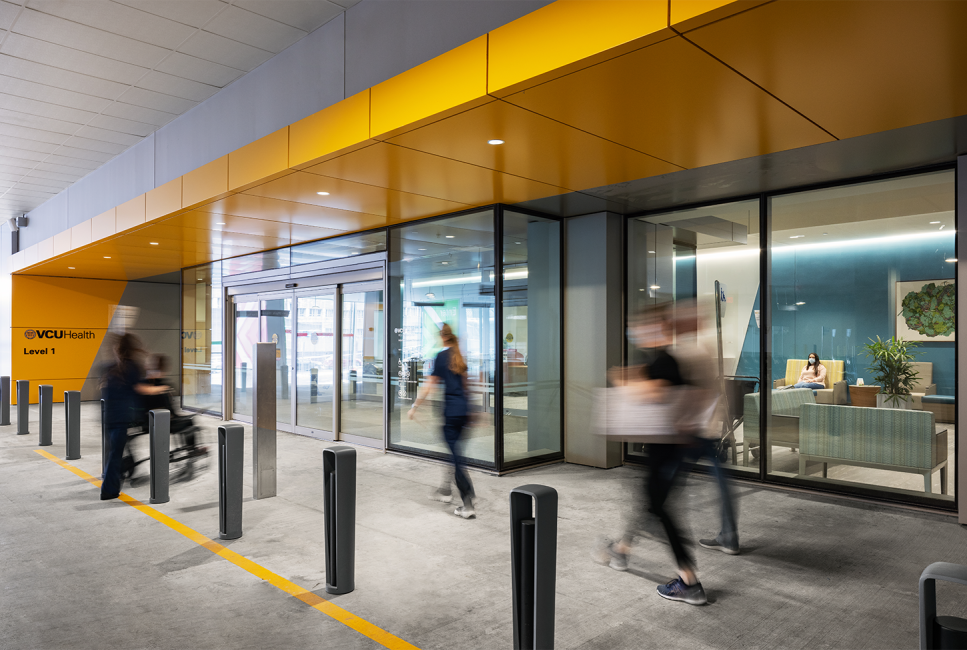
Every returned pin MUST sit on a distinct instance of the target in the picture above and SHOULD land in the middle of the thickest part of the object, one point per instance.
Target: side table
(863, 395)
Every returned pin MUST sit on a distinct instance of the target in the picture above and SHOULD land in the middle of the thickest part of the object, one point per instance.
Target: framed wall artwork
(926, 311)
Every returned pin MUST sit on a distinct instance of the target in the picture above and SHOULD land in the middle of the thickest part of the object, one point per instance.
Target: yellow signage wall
(57, 328)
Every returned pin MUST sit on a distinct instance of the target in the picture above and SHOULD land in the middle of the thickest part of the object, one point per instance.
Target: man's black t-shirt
(122, 403)
(661, 365)
(455, 397)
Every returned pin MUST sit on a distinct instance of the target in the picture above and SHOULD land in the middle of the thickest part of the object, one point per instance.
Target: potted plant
(893, 371)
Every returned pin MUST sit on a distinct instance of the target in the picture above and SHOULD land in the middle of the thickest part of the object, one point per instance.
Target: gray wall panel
(46, 221)
(118, 180)
(296, 83)
(387, 37)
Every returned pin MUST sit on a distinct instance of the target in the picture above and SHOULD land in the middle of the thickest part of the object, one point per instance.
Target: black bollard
(23, 407)
(159, 434)
(339, 493)
(72, 416)
(231, 458)
(45, 399)
(4, 401)
(940, 632)
(533, 545)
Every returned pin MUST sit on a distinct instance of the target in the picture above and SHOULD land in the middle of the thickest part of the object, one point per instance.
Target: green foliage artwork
(927, 310)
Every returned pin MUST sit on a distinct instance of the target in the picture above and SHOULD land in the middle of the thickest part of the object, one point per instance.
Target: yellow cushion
(834, 371)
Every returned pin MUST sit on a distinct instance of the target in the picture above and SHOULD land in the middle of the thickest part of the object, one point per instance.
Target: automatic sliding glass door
(361, 371)
(316, 362)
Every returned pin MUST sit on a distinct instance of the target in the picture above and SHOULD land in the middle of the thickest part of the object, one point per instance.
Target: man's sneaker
(717, 545)
(608, 555)
(678, 590)
(439, 495)
(467, 512)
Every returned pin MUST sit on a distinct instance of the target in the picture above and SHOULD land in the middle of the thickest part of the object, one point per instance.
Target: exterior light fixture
(107, 257)
(323, 193)
(797, 236)
(951, 260)
(800, 303)
(495, 141)
(450, 236)
(934, 223)
(153, 243)
(654, 287)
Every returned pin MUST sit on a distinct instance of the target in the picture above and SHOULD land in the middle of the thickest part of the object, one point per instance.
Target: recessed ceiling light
(354, 253)
(797, 236)
(219, 223)
(640, 289)
(654, 287)
(444, 263)
(949, 259)
(107, 257)
(431, 296)
(516, 242)
(943, 226)
(421, 249)
(934, 223)
(495, 141)
(825, 233)
(651, 252)
(71, 268)
(323, 193)
(450, 236)
(800, 303)
(153, 243)
(201, 279)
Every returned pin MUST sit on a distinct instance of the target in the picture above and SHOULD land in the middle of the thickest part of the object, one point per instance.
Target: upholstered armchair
(835, 391)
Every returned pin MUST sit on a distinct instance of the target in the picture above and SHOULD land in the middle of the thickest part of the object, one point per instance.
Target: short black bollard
(339, 490)
(231, 458)
(940, 632)
(4, 401)
(72, 416)
(23, 407)
(105, 443)
(533, 544)
(159, 434)
(45, 395)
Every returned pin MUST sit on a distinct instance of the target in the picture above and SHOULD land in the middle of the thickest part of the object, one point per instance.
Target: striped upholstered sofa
(784, 425)
(893, 439)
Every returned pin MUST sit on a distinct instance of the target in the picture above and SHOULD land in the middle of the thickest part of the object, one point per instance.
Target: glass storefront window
(705, 261)
(201, 333)
(339, 247)
(849, 265)
(246, 336)
(442, 271)
(264, 261)
(531, 336)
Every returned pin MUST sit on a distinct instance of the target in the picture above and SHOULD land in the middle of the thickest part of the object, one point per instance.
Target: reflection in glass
(201, 372)
(531, 336)
(316, 356)
(850, 264)
(339, 247)
(442, 272)
(708, 257)
(246, 336)
(264, 261)
(277, 328)
(361, 408)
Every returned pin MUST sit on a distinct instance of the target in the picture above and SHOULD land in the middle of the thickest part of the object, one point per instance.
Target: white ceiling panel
(22, 157)
(8, 12)
(10, 178)
(306, 15)
(27, 186)
(37, 122)
(61, 169)
(16, 193)
(45, 182)
(35, 135)
(157, 101)
(85, 154)
(87, 39)
(212, 47)
(206, 72)
(10, 167)
(107, 135)
(59, 78)
(346, 4)
(70, 59)
(167, 84)
(29, 145)
(68, 161)
(43, 109)
(118, 19)
(95, 145)
(139, 114)
(122, 125)
(258, 30)
(67, 178)
(52, 95)
(195, 13)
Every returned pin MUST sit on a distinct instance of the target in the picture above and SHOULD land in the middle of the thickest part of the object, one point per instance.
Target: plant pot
(887, 402)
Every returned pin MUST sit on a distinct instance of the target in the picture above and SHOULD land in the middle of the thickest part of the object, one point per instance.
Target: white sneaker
(439, 496)
(465, 512)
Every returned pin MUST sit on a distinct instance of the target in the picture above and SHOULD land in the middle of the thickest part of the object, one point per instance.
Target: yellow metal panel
(568, 35)
(399, 168)
(163, 200)
(437, 88)
(81, 234)
(693, 111)
(534, 147)
(205, 183)
(258, 160)
(260, 207)
(340, 126)
(103, 225)
(62, 242)
(302, 187)
(131, 213)
(853, 67)
(691, 14)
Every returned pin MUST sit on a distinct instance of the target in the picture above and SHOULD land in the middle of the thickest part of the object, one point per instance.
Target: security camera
(22, 221)
(12, 222)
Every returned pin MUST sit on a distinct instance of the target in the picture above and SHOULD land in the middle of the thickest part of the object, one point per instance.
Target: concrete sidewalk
(76, 572)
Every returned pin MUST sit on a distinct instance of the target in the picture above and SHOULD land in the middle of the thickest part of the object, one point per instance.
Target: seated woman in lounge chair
(813, 374)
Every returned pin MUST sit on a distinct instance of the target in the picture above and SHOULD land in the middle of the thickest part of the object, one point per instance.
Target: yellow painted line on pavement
(345, 617)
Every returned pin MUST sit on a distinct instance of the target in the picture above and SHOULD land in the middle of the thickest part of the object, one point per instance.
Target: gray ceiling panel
(212, 47)
(55, 176)
(59, 78)
(51, 95)
(29, 145)
(195, 13)
(108, 135)
(26, 119)
(122, 125)
(8, 12)
(84, 154)
(95, 145)
(43, 109)
(306, 15)
(259, 30)
(35, 135)
(118, 19)
(139, 114)
(69, 59)
(206, 72)
(167, 84)
(157, 101)
(70, 161)
(87, 39)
